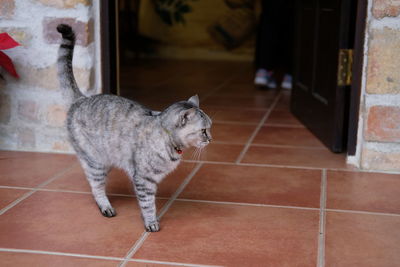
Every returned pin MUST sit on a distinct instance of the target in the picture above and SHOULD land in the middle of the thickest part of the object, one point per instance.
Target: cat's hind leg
(96, 175)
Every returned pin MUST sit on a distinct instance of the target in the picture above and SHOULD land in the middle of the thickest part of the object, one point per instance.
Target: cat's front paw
(153, 227)
(108, 212)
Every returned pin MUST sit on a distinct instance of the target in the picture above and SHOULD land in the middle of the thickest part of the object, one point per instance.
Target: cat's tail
(64, 63)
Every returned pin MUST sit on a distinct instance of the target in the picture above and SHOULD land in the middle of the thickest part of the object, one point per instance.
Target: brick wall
(32, 109)
(379, 129)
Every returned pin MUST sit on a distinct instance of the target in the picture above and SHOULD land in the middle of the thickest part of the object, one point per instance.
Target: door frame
(109, 46)
(357, 74)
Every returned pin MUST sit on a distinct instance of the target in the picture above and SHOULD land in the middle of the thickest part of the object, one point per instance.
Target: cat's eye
(204, 131)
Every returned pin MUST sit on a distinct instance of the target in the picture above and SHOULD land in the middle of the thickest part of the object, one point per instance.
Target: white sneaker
(264, 78)
(287, 82)
(272, 83)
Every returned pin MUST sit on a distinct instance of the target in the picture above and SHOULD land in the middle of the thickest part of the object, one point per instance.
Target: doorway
(355, 20)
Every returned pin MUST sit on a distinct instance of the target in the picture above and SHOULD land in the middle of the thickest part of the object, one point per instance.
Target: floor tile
(244, 89)
(244, 102)
(258, 185)
(75, 180)
(242, 232)
(146, 264)
(119, 183)
(71, 222)
(237, 115)
(238, 89)
(244, 75)
(284, 101)
(32, 170)
(362, 240)
(232, 235)
(8, 195)
(6, 154)
(154, 103)
(232, 133)
(287, 136)
(216, 152)
(284, 117)
(376, 192)
(43, 260)
(317, 158)
(186, 83)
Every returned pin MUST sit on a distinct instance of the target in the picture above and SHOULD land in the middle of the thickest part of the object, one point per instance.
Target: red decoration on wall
(7, 42)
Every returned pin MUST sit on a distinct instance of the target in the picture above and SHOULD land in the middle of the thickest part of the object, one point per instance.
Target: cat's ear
(187, 115)
(194, 100)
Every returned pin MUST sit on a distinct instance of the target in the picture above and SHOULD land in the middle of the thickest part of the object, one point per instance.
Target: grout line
(245, 94)
(260, 125)
(164, 82)
(174, 263)
(134, 248)
(56, 176)
(163, 210)
(14, 203)
(220, 86)
(260, 165)
(58, 253)
(245, 204)
(179, 190)
(228, 143)
(284, 125)
(16, 187)
(271, 145)
(25, 196)
(290, 146)
(364, 212)
(77, 255)
(47, 190)
(322, 221)
(70, 191)
(207, 201)
(286, 166)
(229, 108)
(235, 122)
(216, 89)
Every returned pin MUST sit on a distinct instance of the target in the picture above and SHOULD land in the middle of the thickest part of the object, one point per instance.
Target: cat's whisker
(193, 156)
(194, 153)
(205, 153)
(213, 114)
(198, 154)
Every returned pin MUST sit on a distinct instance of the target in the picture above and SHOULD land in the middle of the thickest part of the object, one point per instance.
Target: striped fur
(109, 131)
(64, 63)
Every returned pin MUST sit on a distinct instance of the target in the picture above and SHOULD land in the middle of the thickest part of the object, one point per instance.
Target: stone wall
(379, 128)
(32, 110)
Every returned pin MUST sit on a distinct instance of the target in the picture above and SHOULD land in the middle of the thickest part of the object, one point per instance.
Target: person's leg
(287, 44)
(268, 35)
(267, 44)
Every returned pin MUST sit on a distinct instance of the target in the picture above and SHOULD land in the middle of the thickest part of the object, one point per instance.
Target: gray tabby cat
(108, 130)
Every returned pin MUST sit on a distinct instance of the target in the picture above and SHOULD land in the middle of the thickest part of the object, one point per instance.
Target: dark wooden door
(323, 27)
(109, 47)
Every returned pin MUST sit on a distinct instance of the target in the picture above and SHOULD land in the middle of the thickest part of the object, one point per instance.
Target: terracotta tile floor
(266, 192)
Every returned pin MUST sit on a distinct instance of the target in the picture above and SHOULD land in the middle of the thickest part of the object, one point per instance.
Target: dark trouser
(275, 35)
